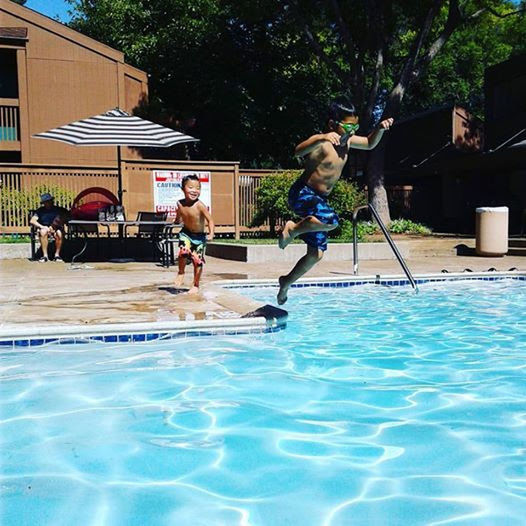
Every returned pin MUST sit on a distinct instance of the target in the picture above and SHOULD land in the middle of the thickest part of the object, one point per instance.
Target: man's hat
(46, 197)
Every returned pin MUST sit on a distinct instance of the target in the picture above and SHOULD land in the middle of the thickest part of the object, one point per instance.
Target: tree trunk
(375, 182)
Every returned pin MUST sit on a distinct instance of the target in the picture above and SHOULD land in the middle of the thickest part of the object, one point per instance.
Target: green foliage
(369, 228)
(272, 202)
(246, 71)
(271, 198)
(20, 202)
(406, 226)
(363, 229)
(9, 239)
(19, 2)
(345, 197)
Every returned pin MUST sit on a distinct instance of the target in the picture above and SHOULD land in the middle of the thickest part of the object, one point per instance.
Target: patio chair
(148, 231)
(167, 243)
(152, 233)
(34, 239)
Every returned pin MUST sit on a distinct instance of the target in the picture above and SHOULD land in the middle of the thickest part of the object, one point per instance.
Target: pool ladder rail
(392, 244)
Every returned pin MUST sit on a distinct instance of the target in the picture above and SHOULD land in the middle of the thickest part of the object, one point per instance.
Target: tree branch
(377, 16)
(454, 20)
(344, 29)
(489, 9)
(409, 65)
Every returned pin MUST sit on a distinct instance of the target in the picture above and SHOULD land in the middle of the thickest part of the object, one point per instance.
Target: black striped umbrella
(116, 128)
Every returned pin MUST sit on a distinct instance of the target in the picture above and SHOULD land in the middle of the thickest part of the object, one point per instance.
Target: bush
(272, 200)
(363, 229)
(9, 239)
(406, 226)
(24, 200)
(369, 228)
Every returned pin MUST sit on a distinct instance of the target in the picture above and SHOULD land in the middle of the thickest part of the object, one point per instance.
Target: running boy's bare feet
(286, 237)
(283, 290)
(194, 290)
(179, 281)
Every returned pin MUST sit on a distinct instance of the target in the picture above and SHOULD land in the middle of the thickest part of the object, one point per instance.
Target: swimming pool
(375, 406)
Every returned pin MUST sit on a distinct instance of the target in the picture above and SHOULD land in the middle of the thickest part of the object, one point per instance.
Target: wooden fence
(233, 190)
(249, 182)
(21, 186)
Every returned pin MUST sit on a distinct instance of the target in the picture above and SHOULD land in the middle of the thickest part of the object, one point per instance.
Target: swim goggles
(349, 128)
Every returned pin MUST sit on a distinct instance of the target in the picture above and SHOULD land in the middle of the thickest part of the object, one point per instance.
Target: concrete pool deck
(39, 294)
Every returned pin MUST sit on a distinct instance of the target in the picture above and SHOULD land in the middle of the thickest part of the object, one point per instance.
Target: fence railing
(9, 121)
(21, 186)
(249, 182)
(233, 206)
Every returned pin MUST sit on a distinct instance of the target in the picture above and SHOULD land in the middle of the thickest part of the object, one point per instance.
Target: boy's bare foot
(285, 237)
(194, 290)
(179, 281)
(283, 290)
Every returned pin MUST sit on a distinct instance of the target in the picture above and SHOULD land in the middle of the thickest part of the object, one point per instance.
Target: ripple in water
(374, 406)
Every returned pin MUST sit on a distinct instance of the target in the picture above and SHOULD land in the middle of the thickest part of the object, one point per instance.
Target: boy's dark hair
(340, 109)
(186, 178)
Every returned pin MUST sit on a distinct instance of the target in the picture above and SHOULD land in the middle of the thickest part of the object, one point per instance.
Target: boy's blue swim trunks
(305, 201)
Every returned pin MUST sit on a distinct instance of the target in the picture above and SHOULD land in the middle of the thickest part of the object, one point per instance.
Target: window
(8, 74)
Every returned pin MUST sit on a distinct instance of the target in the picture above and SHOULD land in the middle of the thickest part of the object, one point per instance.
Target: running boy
(192, 238)
(324, 157)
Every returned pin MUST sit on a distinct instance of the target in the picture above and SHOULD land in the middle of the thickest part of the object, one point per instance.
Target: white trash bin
(491, 231)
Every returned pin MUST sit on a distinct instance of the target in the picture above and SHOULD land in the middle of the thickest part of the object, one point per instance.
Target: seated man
(49, 220)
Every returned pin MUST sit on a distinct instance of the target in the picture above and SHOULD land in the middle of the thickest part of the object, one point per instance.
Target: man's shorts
(305, 201)
(192, 246)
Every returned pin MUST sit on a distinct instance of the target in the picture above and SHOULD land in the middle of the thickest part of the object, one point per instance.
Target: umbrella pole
(119, 172)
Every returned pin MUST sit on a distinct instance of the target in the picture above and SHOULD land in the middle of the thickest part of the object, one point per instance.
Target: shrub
(363, 229)
(406, 226)
(272, 200)
(20, 202)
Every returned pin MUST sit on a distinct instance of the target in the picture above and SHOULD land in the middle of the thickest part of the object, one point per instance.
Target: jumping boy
(192, 238)
(324, 157)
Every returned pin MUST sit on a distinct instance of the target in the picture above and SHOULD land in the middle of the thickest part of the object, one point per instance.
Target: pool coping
(265, 318)
(378, 279)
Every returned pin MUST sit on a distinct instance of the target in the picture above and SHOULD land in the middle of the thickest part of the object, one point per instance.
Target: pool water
(376, 406)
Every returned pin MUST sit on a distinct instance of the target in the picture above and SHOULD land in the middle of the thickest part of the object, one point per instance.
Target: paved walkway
(34, 293)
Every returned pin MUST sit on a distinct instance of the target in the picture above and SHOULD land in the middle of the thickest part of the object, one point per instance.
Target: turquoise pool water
(376, 406)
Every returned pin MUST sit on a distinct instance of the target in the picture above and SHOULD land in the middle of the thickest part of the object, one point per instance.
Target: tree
(258, 74)
(20, 2)
(382, 49)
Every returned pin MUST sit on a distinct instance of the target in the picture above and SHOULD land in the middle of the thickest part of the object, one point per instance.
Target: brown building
(51, 75)
(452, 164)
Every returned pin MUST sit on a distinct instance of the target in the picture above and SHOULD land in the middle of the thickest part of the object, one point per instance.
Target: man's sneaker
(59, 259)
(43, 259)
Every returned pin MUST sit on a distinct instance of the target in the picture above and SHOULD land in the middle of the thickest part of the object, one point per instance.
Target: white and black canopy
(116, 128)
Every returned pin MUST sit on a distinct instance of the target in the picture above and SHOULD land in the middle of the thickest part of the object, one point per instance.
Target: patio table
(77, 225)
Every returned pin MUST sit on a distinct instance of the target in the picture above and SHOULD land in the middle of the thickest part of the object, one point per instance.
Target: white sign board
(167, 189)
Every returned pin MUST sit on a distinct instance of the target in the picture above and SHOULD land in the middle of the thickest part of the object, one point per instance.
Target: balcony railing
(9, 121)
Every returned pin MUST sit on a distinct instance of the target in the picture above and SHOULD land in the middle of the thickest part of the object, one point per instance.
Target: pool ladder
(399, 257)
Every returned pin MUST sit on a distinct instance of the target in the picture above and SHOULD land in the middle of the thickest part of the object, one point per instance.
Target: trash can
(491, 231)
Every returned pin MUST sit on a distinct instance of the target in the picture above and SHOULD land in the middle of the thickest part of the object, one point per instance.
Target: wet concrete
(33, 293)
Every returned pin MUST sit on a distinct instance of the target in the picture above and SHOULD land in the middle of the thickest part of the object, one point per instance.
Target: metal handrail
(387, 236)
